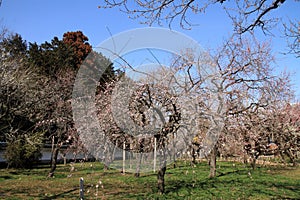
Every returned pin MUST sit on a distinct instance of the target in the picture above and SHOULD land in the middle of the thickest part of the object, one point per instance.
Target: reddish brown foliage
(78, 42)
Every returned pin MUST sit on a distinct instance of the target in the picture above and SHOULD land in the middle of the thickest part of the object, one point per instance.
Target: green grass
(233, 181)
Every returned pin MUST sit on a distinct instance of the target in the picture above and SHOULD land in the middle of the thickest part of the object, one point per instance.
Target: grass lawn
(234, 181)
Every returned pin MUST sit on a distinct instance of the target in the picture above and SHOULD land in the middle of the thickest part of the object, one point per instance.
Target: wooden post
(81, 190)
(124, 157)
(154, 156)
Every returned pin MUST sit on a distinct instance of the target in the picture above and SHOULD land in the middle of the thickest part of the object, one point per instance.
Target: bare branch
(259, 22)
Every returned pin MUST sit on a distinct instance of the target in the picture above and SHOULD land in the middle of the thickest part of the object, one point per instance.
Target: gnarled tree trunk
(54, 154)
(53, 163)
(161, 179)
(162, 171)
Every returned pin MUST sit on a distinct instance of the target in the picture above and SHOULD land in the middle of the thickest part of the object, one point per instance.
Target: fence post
(81, 190)
(124, 157)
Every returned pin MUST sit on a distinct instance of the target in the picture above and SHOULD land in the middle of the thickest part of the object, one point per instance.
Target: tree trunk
(193, 156)
(253, 163)
(291, 157)
(245, 159)
(53, 160)
(138, 165)
(174, 152)
(213, 162)
(108, 157)
(161, 179)
(161, 172)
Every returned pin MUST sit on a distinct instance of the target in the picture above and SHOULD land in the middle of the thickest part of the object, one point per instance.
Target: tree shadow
(238, 171)
(6, 177)
(60, 195)
(176, 186)
(228, 180)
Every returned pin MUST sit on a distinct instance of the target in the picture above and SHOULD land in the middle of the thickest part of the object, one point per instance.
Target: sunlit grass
(233, 181)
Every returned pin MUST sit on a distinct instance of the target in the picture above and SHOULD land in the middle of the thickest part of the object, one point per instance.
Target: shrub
(23, 151)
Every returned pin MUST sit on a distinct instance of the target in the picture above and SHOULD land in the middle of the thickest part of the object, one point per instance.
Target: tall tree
(79, 44)
(17, 97)
(51, 57)
(131, 125)
(13, 46)
(245, 78)
(58, 62)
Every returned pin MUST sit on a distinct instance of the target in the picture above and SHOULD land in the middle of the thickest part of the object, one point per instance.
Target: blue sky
(39, 21)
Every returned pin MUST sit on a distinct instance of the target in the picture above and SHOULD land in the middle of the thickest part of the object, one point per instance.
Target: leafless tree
(246, 81)
(262, 129)
(124, 111)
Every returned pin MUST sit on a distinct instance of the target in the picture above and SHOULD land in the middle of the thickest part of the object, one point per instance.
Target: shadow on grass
(61, 195)
(236, 184)
(237, 172)
(5, 177)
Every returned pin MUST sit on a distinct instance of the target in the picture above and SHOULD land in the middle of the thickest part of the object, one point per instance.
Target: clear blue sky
(39, 21)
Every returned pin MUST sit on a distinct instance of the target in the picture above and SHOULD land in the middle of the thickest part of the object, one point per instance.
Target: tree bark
(162, 171)
(291, 157)
(193, 156)
(54, 154)
(213, 162)
(138, 165)
(53, 161)
(253, 163)
(109, 157)
(161, 179)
